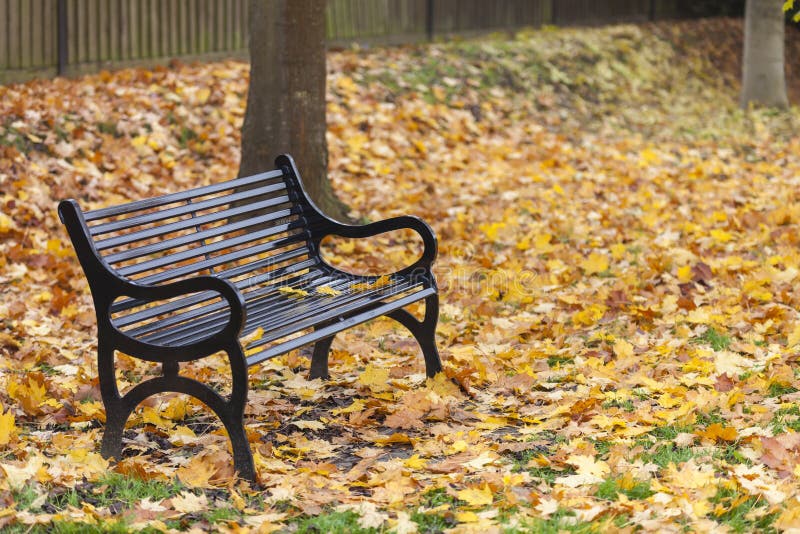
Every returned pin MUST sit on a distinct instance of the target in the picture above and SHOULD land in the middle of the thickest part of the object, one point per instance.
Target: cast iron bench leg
(230, 412)
(424, 332)
(319, 360)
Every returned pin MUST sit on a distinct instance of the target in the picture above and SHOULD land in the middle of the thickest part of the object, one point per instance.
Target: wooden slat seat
(178, 277)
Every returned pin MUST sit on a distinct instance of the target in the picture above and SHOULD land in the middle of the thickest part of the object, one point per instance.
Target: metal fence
(45, 38)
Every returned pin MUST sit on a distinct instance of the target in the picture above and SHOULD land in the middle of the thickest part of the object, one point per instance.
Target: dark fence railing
(44, 38)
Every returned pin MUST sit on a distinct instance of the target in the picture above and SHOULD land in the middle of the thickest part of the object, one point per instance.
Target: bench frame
(107, 286)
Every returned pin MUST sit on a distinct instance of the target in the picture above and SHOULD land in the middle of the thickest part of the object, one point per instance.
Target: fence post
(62, 43)
(652, 13)
(429, 19)
(554, 12)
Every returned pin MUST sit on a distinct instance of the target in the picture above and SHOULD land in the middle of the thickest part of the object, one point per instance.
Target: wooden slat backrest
(252, 231)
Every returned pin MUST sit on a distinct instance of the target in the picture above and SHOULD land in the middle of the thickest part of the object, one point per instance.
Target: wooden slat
(49, 23)
(131, 8)
(24, 33)
(191, 24)
(14, 36)
(114, 35)
(36, 32)
(4, 33)
(173, 28)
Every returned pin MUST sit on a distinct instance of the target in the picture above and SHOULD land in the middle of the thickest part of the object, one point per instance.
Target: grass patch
(548, 474)
(730, 453)
(114, 490)
(556, 362)
(626, 405)
(711, 337)
(333, 522)
(635, 490)
(668, 453)
(63, 527)
(776, 390)
(739, 512)
(565, 521)
(786, 418)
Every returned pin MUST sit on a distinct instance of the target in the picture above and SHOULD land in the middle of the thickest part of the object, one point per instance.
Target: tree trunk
(763, 77)
(286, 98)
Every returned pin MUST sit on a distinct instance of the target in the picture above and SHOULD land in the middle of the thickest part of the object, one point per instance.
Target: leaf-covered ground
(619, 321)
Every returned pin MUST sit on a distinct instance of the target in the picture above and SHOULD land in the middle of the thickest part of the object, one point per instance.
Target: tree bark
(763, 77)
(286, 97)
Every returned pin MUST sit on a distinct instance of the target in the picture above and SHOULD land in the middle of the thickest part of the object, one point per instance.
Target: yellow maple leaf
(721, 236)
(717, 432)
(255, 335)
(6, 223)
(328, 291)
(415, 462)
(492, 229)
(585, 464)
(794, 336)
(374, 377)
(30, 396)
(151, 416)
(466, 517)
(590, 314)
(8, 428)
(384, 280)
(357, 406)
(685, 274)
(476, 496)
(291, 291)
(623, 349)
(595, 263)
(618, 251)
(187, 502)
(197, 473)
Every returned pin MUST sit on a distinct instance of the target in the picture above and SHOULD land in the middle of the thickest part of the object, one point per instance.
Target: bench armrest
(387, 225)
(225, 288)
(332, 227)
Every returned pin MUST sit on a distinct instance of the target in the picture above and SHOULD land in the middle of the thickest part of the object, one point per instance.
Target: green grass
(776, 390)
(730, 453)
(548, 474)
(626, 405)
(331, 522)
(669, 432)
(221, 514)
(108, 128)
(62, 527)
(432, 522)
(740, 512)
(112, 489)
(711, 337)
(558, 361)
(439, 521)
(705, 419)
(667, 453)
(786, 418)
(610, 490)
(565, 521)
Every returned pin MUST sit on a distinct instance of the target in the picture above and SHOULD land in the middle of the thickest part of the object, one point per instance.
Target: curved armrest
(333, 227)
(225, 288)
(387, 225)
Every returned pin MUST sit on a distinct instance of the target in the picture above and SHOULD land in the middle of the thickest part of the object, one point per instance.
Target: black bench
(179, 277)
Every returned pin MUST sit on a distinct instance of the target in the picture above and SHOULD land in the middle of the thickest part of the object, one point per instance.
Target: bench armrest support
(225, 288)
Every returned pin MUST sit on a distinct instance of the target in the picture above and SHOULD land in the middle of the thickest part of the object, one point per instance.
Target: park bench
(182, 276)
